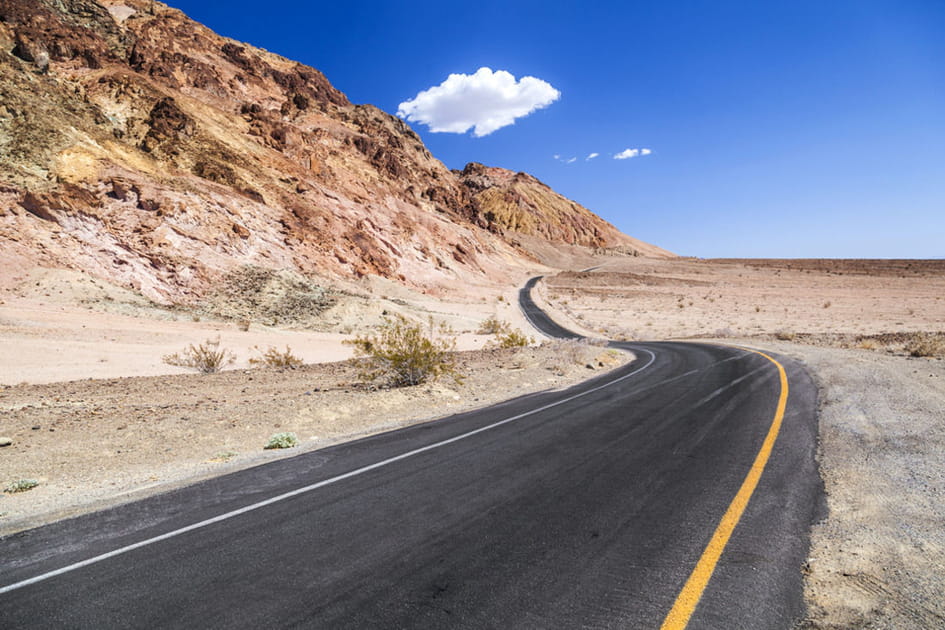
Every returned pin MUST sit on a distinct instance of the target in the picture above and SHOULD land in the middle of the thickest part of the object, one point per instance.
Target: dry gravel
(877, 560)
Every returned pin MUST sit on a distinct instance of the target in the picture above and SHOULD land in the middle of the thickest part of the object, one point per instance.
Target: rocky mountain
(140, 147)
(521, 204)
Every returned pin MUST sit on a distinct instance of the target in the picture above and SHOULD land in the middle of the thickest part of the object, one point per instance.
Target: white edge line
(309, 488)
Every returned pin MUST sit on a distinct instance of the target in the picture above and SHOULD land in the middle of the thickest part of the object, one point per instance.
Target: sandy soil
(876, 560)
(58, 325)
(663, 299)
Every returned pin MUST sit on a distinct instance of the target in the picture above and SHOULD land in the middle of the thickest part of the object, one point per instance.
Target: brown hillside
(520, 203)
(139, 146)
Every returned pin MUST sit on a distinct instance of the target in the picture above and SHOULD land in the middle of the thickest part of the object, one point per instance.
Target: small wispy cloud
(626, 154)
(570, 160)
(591, 156)
(484, 101)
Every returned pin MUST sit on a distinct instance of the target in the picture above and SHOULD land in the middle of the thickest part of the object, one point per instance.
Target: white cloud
(570, 160)
(557, 156)
(484, 101)
(631, 153)
(591, 157)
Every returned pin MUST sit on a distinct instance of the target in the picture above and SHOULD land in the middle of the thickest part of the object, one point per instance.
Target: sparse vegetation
(207, 357)
(827, 304)
(926, 345)
(282, 440)
(511, 339)
(401, 354)
(492, 326)
(505, 336)
(785, 335)
(275, 358)
(21, 485)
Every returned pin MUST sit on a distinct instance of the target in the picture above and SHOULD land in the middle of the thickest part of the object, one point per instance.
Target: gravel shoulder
(876, 560)
(99, 442)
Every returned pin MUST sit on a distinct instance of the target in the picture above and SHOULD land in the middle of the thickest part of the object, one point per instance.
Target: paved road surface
(586, 508)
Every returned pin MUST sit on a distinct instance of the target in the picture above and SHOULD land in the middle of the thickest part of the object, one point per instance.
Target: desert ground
(876, 558)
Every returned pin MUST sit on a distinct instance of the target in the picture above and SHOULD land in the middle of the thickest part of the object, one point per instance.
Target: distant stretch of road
(617, 503)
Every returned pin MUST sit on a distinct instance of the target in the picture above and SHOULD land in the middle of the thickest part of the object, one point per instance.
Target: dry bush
(493, 326)
(785, 335)
(868, 344)
(207, 357)
(401, 354)
(510, 339)
(926, 345)
(272, 357)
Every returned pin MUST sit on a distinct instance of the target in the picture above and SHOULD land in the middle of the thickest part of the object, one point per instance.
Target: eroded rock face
(139, 146)
(518, 202)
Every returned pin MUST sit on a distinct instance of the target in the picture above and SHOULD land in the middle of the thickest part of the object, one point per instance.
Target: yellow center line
(689, 597)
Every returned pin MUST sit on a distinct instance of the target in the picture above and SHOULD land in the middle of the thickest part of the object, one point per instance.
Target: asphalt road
(586, 508)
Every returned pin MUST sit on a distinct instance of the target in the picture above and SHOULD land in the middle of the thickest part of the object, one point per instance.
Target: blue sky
(801, 129)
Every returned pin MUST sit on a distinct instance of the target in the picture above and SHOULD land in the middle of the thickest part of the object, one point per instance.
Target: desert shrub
(273, 357)
(493, 326)
(21, 485)
(207, 357)
(282, 440)
(511, 339)
(784, 335)
(401, 354)
(926, 345)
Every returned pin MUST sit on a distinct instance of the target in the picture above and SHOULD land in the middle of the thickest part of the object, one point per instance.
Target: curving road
(589, 507)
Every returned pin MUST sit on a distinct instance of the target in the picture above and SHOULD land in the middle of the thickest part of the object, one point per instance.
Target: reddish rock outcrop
(139, 146)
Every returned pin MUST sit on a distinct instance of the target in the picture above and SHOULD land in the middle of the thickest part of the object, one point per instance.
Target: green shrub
(21, 485)
(207, 358)
(272, 357)
(402, 355)
(282, 440)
